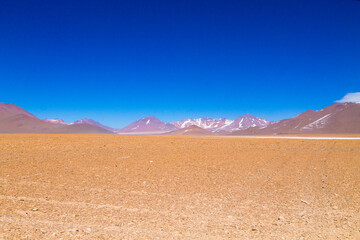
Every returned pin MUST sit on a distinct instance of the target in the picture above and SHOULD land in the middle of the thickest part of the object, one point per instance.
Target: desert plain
(163, 187)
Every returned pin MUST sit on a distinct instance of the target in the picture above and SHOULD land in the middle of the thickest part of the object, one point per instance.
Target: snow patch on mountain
(56, 121)
(320, 123)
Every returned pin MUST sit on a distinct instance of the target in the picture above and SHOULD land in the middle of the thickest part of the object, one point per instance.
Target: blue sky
(117, 61)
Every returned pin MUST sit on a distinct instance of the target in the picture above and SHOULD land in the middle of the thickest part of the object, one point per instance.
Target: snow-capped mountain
(222, 124)
(243, 122)
(205, 123)
(147, 124)
(56, 121)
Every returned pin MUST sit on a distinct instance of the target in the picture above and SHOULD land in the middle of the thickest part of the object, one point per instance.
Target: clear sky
(117, 61)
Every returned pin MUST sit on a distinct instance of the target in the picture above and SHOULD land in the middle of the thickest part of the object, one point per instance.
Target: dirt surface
(143, 187)
(300, 137)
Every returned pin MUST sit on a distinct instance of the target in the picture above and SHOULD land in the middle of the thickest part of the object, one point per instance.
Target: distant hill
(14, 119)
(190, 131)
(336, 118)
(93, 122)
(147, 124)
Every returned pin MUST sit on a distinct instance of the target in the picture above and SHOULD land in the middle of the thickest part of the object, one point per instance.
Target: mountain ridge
(336, 118)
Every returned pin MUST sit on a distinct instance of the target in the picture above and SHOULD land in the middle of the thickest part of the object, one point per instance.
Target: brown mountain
(147, 124)
(14, 119)
(8, 110)
(336, 118)
(190, 131)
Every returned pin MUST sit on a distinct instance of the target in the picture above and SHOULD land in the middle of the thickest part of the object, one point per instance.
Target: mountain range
(153, 125)
(336, 118)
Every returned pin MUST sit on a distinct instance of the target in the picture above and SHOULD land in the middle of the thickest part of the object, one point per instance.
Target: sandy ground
(142, 187)
(300, 137)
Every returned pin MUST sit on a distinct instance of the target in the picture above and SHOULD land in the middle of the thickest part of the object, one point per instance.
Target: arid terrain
(164, 187)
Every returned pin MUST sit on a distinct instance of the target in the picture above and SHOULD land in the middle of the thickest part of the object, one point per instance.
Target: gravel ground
(141, 187)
